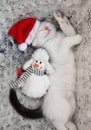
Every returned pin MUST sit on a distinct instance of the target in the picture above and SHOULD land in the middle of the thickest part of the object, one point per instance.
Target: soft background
(79, 12)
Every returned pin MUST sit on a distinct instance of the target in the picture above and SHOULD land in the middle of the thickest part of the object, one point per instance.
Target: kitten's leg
(59, 126)
(64, 23)
(71, 126)
(71, 41)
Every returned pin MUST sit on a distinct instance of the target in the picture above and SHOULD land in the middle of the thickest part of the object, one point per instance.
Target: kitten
(59, 103)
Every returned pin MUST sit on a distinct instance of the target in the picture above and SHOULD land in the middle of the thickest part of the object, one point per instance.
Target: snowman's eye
(40, 62)
(36, 60)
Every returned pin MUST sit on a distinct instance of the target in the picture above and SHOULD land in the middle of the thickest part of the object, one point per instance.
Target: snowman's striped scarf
(25, 75)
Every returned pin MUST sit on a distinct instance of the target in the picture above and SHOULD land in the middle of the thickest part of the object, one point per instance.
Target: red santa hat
(24, 31)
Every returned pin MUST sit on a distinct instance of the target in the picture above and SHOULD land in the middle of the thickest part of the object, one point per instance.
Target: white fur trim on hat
(32, 33)
(22, 47)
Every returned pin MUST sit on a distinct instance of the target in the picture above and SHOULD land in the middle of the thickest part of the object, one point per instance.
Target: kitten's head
(45, 32)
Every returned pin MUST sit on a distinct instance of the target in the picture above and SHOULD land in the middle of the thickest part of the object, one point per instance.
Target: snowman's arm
(27, 64)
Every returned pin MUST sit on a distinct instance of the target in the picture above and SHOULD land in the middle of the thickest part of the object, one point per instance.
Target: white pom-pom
(22, 47)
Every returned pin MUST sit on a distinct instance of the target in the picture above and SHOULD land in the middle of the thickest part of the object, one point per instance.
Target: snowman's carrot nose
(36, 65)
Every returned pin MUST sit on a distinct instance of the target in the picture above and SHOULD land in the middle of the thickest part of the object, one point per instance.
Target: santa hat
(24, 31)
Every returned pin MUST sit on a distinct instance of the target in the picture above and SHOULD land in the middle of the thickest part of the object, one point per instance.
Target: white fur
(42, 55)
(36, 86)
(59, 103)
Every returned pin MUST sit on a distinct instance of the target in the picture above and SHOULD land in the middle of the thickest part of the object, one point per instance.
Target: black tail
(25, 112)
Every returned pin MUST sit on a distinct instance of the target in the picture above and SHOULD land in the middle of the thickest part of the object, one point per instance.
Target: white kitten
(59, 104)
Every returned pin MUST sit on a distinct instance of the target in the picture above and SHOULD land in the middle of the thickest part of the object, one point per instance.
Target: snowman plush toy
(35, 81)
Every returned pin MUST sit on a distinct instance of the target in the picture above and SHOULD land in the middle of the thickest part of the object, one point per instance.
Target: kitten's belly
(56, 104)
(64, 77)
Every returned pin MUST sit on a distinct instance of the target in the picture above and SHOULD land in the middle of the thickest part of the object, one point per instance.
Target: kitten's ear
(49, 69)
(27, 64)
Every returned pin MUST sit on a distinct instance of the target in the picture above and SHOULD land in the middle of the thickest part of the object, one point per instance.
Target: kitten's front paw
(61, 18)
(58, 15)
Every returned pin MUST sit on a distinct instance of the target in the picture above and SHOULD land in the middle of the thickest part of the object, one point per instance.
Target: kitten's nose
(36, 65)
